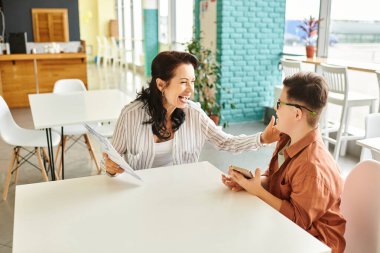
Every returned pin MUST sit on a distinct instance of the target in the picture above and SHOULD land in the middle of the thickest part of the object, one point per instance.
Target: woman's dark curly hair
(163, 67)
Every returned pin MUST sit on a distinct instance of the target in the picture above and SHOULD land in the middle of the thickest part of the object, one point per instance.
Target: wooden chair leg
(57, 153)
(9, 174)
(15, 173)
(42, 167)
(46, 156)
(58, 173)
(91, 151)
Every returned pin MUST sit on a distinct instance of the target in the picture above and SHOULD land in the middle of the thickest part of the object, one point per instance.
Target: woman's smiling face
(178, 90)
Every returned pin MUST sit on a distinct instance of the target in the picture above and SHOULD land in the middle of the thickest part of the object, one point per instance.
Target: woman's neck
(169, 111)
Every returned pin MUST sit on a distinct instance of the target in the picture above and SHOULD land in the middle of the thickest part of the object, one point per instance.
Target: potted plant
(310, 27)
(206, 75)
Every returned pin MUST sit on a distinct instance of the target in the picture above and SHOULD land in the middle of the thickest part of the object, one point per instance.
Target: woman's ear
(160, 84)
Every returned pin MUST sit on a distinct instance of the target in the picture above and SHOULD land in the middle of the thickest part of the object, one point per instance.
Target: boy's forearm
(264, 182)
(270, 199)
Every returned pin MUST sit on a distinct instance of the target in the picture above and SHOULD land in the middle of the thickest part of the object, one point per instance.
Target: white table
(176, 209)
(373, 144)
(56, 110)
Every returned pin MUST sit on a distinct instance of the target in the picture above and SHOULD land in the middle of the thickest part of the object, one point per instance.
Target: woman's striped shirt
(134, 140)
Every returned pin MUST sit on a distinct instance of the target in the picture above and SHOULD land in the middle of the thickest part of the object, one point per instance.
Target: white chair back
(68, 85)
(8, 127)
(336, 78)
(372, 125)
(372, 129)
(361, 208)
(290, 67)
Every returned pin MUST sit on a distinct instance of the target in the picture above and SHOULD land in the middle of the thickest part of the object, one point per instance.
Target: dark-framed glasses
(279, 102)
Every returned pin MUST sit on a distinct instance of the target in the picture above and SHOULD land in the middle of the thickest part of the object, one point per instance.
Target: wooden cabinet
(50, 25)
(1, 86)
(25, 74)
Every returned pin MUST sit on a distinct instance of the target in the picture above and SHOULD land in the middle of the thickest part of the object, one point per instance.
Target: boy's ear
(298, 114)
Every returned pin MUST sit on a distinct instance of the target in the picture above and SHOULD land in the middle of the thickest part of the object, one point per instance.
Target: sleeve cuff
(259, 140)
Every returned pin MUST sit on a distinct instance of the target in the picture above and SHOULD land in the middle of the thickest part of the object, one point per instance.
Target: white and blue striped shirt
(134, 140)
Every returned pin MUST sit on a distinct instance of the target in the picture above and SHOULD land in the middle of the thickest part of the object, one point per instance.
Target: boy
(303, 181)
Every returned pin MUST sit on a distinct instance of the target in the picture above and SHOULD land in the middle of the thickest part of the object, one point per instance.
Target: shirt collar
(297, 147)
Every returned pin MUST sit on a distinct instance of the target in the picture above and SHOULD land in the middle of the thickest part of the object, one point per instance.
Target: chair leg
(46, 156)
(59, 173)
(42, 167)
(91, 151)
(9, 174)
(15, 175)
(340, 132)
(324, 125)
(345, 133)
(57, 153)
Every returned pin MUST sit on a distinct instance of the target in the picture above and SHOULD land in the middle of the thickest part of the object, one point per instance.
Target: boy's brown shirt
(310, 186)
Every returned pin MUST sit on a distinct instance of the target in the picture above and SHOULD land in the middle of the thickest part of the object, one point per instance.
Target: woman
(163, 127)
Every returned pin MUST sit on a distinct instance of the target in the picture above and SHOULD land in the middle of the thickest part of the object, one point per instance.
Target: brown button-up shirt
(310, 186)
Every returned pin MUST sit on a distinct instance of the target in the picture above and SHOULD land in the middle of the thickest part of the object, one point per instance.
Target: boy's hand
(232, 185)
(271, 133)
(253, 186)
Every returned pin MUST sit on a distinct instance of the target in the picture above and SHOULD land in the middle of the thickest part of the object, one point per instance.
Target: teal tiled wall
(249, 46)
(150, 37)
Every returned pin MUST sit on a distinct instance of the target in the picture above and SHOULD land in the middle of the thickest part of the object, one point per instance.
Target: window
(184, 23)
(175, 23)
(163, 22)
(296, 11)
(357, 32)
(131, 30)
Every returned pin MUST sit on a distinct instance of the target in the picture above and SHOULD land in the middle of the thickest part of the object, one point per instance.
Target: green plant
(310, 27)
(206, 85)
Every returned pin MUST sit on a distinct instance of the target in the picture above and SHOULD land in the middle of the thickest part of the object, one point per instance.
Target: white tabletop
(373, 144)
(176, 209)
(51, 110)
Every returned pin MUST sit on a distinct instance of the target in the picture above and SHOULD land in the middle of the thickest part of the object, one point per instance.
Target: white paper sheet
(112, 153)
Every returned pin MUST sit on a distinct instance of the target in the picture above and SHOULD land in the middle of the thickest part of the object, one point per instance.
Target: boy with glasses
(303, 181)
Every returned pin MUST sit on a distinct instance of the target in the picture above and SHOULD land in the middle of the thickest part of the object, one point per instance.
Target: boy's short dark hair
(310, 90)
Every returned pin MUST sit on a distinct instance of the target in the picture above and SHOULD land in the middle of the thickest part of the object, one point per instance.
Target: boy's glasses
(279, 102)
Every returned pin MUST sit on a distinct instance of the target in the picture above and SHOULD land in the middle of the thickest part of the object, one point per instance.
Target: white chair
(100, 55)
(22, 139)
(290, 67)
(106, 50)
(340, 94)
(123, 52)
(361, 208)
(372, 130)
(68, 86)
(115, 52)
